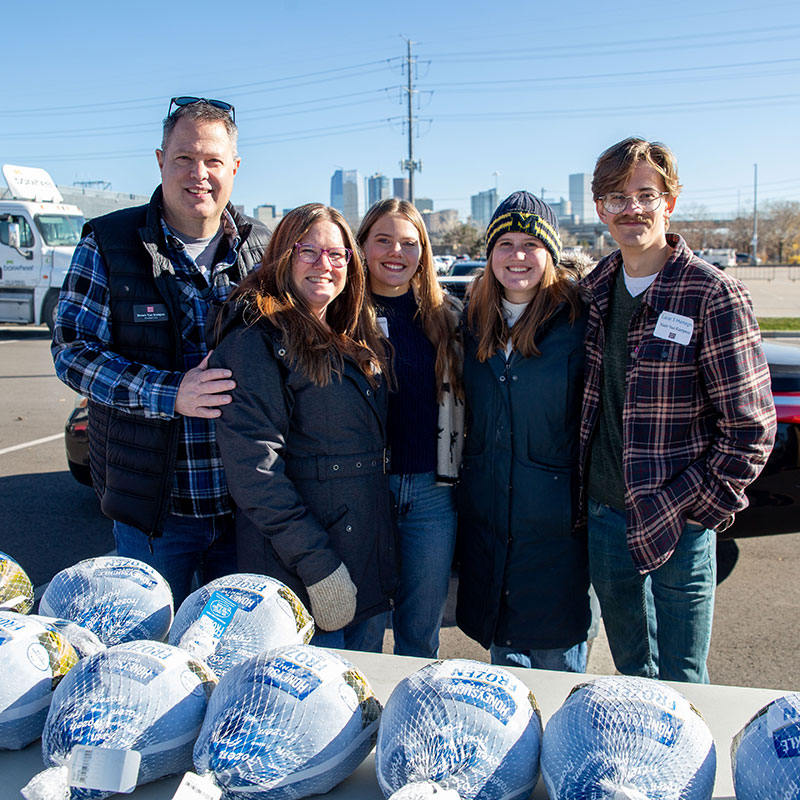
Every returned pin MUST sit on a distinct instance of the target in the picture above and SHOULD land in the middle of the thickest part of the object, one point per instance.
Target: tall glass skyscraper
(580, 196)
(346, 195)
(377, 188)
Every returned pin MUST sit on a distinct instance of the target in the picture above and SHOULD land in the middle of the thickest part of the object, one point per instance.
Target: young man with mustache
(677, 419)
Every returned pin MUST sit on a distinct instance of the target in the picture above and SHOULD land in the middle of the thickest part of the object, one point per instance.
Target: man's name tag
(674, 327)
(154, 313)
(383, 324)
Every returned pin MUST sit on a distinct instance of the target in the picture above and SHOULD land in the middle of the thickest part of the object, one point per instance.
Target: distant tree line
(778, 231)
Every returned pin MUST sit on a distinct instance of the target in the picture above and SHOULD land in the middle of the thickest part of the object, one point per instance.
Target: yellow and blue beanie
(525, 212)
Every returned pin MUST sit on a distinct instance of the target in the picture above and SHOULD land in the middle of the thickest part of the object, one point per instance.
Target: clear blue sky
(531, 91)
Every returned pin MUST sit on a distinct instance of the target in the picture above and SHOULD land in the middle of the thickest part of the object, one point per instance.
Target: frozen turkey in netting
(33, 659)
(16, 589)
(119, 599)
(765, 754)
(85, 642)
(627, 738)
(143, 696)
(236, 617)
(287, 724)
(463, 725)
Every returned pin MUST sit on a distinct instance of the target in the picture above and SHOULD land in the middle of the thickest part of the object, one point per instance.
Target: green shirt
(606, 482)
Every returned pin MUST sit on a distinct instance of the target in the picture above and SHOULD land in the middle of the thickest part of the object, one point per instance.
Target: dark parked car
(460, 276)
(76, 440)
(774, 497)
(465, 268)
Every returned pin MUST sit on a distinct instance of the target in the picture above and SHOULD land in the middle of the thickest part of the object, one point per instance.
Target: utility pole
(755, 213)
(409, 165)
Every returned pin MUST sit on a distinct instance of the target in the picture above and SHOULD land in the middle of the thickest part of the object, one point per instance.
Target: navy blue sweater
(413, 410)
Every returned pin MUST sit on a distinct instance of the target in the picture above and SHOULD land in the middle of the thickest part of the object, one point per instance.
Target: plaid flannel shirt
(699, 418)
(84, 357)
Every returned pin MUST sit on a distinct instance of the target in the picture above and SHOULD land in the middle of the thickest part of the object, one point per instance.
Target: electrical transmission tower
(409, 164)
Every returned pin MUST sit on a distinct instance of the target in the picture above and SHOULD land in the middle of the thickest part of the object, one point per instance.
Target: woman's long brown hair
(316, 349)
(432, 305)
(488, 323)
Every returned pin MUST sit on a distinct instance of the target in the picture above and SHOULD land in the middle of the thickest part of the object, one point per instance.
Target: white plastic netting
(118, 599)
(236, 617)
(287, 724)
(16, 590)
(144, 696)
(627, 738)
(33, 659)
(765, 754)
(467, 727)
(82, 639)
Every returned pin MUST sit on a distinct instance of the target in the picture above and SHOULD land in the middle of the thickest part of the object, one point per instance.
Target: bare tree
(697, 226)
(465, 238)
(779, 229)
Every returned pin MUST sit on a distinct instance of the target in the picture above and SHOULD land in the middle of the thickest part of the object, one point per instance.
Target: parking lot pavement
(49, 521)
(776, 297)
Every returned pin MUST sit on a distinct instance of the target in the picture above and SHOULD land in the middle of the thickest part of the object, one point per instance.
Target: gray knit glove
(333, 600)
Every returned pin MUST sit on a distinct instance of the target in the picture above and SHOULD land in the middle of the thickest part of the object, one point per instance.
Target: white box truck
(719, 256)
(38, 234)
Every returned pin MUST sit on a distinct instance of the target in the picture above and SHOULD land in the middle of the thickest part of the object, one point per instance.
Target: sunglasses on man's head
(180, 102)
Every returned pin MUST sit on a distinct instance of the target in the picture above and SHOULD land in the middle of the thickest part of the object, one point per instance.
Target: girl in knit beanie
(523, 575)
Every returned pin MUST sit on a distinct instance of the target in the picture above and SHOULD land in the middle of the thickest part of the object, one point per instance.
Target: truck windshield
(59, 229)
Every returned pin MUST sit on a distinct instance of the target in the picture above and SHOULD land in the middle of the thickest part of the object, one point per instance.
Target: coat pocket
(544, 499)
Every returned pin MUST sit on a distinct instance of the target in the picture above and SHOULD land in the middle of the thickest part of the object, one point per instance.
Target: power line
(603, 75)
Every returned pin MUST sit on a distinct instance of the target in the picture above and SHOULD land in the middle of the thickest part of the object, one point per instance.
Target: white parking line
(31, 444)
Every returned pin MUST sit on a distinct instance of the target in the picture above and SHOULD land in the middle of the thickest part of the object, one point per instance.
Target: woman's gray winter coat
(305, 467)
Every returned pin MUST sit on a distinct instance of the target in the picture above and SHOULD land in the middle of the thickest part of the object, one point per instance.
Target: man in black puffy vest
(130, 336)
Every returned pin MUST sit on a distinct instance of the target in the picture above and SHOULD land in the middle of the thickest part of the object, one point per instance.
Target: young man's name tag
(674, 327)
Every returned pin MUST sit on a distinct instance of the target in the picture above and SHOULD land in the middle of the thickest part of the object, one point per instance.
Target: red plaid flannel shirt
(699, 418)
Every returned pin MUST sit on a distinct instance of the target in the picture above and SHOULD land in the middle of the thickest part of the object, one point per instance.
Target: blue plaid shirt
(84, 357)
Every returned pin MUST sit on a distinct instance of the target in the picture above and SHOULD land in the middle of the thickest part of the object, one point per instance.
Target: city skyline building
(346, 195)
(268, 214)
(400, 188)
(377, 188)
(580, 195)
(483, 205)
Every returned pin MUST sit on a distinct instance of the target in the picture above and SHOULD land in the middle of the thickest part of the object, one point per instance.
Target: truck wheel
(49, 309)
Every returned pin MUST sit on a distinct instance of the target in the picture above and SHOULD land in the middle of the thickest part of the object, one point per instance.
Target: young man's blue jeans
(659, 624)
(188, 546)
(427, 537)
(570, 659)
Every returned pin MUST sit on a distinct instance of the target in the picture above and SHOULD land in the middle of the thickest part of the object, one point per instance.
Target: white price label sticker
(104, 768)
(197, 787)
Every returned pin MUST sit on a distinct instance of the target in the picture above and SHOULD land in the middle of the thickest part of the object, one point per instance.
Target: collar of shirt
(183, 261)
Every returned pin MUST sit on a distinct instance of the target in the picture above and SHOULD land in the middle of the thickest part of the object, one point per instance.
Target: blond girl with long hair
(425, 416)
